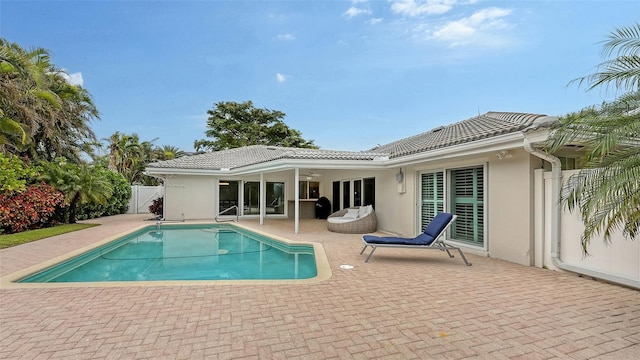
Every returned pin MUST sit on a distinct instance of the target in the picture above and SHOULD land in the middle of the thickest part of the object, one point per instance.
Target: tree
(80, 183)
(168, 152)
(606, 192)
(128, 156)
(233, 125)
(623, 70)
(118, 201)
(42, 116)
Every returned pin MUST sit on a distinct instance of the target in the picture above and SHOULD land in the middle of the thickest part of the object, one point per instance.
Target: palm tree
(23, 91)
(114, 150)
(168, 152)
(129, 156)
(12, 135)
(72, 123)
(81, 183)
(623, 70)
(124, 153)
(606, 192)
(41, 114)
(90, 186)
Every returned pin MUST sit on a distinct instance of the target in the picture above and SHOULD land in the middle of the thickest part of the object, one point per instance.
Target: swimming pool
(185, 252)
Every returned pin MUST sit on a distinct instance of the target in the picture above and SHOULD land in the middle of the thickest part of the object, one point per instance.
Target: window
(567, 163)
(228, 196)
(357, 192)
(251, 198)
(460, 192)
(364, 193)
(369, 192)
(432, 197)
(309, 190)
(275, 197)
(467, 201)
(346, 194)
(336, 196)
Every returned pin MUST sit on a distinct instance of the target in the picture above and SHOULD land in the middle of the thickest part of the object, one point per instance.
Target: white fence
(620, 258)
(142, 197)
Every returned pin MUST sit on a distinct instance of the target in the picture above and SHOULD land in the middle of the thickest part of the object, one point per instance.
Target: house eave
(277, 165)
(496, 143)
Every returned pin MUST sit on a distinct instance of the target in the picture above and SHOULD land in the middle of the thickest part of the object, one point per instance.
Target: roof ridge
(514, 117)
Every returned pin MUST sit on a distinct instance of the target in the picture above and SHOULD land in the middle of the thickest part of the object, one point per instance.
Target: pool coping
(322, 264)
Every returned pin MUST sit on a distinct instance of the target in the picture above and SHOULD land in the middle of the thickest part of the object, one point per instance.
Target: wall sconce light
(399, 176)
(504, 154)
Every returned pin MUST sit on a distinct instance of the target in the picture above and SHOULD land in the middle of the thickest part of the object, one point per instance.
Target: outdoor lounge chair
(356, 220)
(431, 238)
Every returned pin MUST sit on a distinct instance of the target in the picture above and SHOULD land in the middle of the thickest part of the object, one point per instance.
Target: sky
(348, 74)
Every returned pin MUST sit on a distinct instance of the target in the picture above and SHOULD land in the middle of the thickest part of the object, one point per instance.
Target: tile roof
(256, 154)
(480, 127)
(477, 128)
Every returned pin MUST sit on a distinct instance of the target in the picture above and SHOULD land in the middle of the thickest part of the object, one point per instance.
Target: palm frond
(622, 73)
(623, 41)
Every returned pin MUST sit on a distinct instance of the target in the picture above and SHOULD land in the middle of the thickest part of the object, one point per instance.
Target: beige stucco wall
(509, 198)
(510, 208)
(190, 198)
(396, 204)
(508, 203)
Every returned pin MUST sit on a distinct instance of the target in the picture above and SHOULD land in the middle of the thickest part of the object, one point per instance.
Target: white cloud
(474, 28)
(374, 21)
(422, 7)
(354, 11)
(280, 78)
(287, 37)
(73, 79)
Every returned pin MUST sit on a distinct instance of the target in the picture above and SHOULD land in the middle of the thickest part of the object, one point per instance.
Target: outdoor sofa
(354, 220)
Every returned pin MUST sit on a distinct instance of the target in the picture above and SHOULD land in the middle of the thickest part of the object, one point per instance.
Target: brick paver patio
(401, 305)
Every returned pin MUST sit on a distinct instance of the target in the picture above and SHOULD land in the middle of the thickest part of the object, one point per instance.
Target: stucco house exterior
(489, 170)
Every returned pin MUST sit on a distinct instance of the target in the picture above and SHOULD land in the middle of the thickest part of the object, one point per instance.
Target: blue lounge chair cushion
(438, 223)
(372, 239)
(430, 233)
(422, 239)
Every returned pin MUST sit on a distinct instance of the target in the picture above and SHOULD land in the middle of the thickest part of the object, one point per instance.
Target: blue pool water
(186, 252)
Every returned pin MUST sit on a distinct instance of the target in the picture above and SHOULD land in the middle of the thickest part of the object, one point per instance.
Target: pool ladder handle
(227, 210)
(159, 222)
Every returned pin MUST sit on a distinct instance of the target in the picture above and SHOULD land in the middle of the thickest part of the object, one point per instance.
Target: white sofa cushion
(339, 220)
(362, 211)
(352, 214)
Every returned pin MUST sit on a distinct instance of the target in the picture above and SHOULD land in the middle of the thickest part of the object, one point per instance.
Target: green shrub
(14, 174)
(118, 203)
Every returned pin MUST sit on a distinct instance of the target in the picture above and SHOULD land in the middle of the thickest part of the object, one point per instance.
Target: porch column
(296, 191)
(263, 199)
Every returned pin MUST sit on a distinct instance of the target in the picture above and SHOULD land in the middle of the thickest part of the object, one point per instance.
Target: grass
(38, 234)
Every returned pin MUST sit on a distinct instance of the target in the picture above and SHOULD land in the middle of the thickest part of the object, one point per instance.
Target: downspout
(556, 212)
